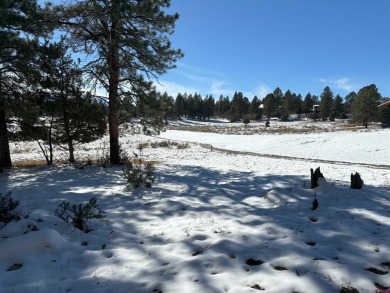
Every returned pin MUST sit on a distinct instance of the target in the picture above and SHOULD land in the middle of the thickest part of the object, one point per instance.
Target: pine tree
(198, 106)
(287, 105)
(222, 106)
(348, 102)
(209, 105)
(270, 105)
(254, 108)
(18, 19)
(364, 107)
(307, 104)
(297, 104)
(126, 42)
(167, 104)
(180, 105)
(78, 117)
(71, 116)
(278, 95)
(337, 109)
(326, 103)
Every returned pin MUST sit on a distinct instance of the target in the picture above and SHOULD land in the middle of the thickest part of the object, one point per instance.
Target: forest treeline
(361, 106)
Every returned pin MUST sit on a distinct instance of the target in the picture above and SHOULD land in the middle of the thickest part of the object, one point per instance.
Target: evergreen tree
(297, 105)
(246, 105)
(364, 107)
(191, 107)
(236, 108)
(20, 22)
(198, 106)
(315, 99)
(270, 105)
(326, 103)
(287, 106)
(167, 105)
(180, 105)
(126, 42)
(254, 108)
(222, 106)
(337, 109)
(209, 105)
(149, 110)
(278, 95)
(348, 102)
(307, 104)
(71, 116)
(78, 117)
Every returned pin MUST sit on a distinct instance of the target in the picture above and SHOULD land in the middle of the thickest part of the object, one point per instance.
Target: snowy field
(231, 220)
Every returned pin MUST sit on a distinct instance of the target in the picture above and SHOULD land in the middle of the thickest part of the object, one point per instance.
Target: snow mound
(15, 248)
(18, 228)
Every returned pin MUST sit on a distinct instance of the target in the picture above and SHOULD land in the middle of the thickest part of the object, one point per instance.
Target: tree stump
(356, 181)
(314, 177)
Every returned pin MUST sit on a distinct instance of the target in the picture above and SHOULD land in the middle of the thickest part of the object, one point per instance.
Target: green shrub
(143, 145)
(7, 208)
(139, 173)
(79, 214)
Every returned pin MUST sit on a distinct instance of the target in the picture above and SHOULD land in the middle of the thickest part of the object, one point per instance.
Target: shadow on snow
(211, 227)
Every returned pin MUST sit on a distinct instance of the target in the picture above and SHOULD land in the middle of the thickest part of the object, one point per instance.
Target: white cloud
(205, 82)
(173, 88)
(218, 88)
(343, 83)
(199, 71)
(262, 90)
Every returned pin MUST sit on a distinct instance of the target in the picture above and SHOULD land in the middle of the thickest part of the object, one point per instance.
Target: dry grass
(28, 163)
(40, 163)
(246, 130)
(275, 128)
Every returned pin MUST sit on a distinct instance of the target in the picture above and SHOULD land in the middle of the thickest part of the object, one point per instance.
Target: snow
(214, 221)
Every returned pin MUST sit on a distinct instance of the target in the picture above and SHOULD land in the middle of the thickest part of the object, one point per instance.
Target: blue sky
(254, 46)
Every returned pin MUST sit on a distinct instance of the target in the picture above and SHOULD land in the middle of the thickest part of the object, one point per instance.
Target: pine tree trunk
(68, 135)
(50, 139)
(113, 64)
(5, 156)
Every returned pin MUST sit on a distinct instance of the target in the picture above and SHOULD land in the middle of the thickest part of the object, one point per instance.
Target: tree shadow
(211, 230)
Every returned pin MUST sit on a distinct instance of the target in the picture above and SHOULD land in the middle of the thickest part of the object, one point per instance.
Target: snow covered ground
(214, 221)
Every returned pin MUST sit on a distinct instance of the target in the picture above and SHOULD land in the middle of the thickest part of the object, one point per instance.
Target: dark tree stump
(356, 181)
(314, 177)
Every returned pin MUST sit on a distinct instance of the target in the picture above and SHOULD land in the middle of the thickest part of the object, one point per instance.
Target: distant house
(384, 105)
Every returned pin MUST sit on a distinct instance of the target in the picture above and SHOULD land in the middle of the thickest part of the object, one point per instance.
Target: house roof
(385, 104)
